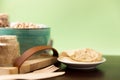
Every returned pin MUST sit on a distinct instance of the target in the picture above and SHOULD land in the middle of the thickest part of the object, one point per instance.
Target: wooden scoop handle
(20, 60)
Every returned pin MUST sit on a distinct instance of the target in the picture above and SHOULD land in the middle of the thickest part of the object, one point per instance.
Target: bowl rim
(7, 28)
(83, 63)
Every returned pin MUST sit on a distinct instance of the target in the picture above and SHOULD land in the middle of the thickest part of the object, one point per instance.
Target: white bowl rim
(82, 63)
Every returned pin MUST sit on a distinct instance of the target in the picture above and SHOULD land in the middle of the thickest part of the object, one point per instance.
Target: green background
(74, 23)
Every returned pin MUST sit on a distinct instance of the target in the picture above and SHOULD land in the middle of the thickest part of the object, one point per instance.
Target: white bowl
(80, 65)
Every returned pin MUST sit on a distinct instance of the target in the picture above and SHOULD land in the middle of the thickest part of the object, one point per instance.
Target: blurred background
(74, 23)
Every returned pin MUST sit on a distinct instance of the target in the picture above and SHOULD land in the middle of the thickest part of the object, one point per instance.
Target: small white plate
(80, 65)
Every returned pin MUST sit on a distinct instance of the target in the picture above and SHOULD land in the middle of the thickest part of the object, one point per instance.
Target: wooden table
(110, 70)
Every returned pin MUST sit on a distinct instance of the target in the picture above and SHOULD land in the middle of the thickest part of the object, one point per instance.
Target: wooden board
(30, 65)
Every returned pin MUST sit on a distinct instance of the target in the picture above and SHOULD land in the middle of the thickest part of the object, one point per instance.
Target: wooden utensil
(32, 76)
(48, 69)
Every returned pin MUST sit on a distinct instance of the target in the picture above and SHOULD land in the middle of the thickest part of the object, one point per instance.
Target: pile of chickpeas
(25, 25)
(4, 23)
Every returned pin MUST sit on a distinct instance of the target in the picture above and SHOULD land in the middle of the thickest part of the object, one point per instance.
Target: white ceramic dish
(80, 65)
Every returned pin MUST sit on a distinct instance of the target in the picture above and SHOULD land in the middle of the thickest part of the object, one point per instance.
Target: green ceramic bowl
(28, 37)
